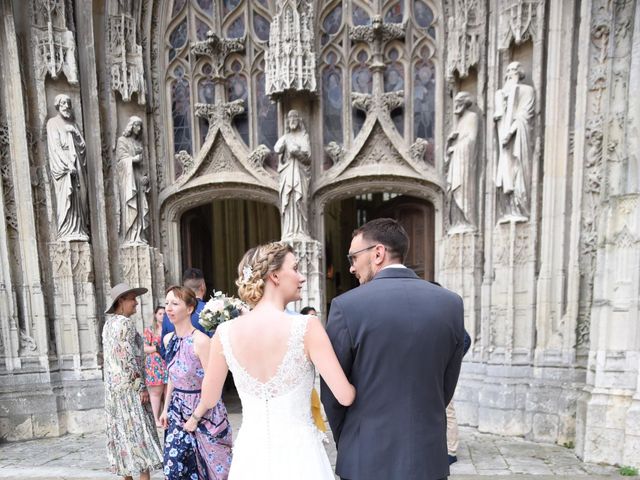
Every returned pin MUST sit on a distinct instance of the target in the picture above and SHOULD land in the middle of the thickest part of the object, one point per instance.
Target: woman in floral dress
(203, 452)
(132, 442)
(156, 374)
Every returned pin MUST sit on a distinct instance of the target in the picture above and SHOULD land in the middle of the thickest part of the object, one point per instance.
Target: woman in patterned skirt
(156, 375)
(132, 441)
(204, 454)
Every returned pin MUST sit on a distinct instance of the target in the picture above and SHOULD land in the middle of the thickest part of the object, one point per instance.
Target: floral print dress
(132, 441)
(204, 454)
(155, 369)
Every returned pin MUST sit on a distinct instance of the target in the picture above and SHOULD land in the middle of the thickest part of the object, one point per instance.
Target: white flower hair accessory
(247, 273)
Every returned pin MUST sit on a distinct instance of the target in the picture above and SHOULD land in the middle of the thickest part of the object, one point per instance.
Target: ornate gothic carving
(377, 150)
(185, 160)
(220, 113)
(335, 152)
(386, 102)
(54, 44)
(294, 170)
(133, 184)
(419, 149)
(7, 179)
(258, 156)
(519, 21)
(291, 61)
(514, 114)
(465, 36)
(218, 49)
(125, 58)
(462, 159)
(27, 343)
(377, 35)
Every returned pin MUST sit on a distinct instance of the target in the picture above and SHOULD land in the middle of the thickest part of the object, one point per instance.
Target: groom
(399, 340)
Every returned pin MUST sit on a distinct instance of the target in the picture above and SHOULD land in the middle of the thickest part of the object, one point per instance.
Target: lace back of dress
(295, 370)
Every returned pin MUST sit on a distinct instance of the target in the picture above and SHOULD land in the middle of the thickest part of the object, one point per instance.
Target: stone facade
(551, 294)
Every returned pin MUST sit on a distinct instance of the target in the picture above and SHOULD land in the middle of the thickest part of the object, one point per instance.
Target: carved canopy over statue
(68, 166)
(133, 184)
(462, 163)
(291, 60)
(514, 116)
(294, 168)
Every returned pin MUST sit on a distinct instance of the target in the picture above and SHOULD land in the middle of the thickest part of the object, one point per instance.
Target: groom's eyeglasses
(352, 256)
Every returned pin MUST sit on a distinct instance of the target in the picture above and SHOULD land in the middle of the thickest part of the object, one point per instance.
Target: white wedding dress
(277, 438)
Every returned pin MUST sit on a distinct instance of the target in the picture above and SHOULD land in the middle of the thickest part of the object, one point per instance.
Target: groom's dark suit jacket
(399, 340)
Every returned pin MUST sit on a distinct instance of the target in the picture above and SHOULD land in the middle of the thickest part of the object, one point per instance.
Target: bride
(272, 355)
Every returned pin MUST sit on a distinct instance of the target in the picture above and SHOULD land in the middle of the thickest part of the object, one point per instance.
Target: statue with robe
(133, 184)
(68, 166)
(462, 163)
(514, 116)
(294, 169)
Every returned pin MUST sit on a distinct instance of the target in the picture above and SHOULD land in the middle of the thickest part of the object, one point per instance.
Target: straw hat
(121, 290)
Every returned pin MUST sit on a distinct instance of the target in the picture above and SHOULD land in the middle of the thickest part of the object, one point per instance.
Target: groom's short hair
(389, 233)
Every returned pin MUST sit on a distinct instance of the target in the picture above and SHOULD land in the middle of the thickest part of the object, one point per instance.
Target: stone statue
(514, 116)
(462, 162)
(294, 168)
(68, 165)
(133, 184)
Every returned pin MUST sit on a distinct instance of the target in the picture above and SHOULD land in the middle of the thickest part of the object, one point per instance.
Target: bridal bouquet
(219, 309)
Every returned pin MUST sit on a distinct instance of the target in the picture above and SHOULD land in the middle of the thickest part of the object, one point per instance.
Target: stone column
(309, 253)
(74, 301)
(142, 266)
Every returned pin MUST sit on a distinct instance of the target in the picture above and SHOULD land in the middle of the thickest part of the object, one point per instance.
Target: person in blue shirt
(192, 278)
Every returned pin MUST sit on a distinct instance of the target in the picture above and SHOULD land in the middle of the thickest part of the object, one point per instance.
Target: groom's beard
(367, 275)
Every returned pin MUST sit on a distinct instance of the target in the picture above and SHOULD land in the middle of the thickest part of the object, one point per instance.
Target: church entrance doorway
(216, 235)
(342, 217)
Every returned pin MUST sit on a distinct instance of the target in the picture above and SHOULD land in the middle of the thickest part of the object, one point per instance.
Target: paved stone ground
(480, 456)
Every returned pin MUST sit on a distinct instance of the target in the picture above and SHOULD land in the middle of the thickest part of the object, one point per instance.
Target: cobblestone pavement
(479, 456)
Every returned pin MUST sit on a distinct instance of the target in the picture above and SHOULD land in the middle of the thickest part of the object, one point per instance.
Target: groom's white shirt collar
(394, 265)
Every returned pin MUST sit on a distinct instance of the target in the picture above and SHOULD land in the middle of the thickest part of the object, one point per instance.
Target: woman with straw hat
(132, 442)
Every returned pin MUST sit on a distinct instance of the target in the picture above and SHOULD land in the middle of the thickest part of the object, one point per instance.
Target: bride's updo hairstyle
(255, 266)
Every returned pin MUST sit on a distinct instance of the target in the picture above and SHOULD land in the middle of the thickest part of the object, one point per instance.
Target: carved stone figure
(133, 184)
(462, 162)
(294, 170)
(291, 60)
(68, 165)
(514, 116)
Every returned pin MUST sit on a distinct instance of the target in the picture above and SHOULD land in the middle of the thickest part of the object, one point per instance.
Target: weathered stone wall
(549, 274)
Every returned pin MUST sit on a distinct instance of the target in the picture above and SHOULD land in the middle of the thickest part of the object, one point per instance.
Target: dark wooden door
(417, 217)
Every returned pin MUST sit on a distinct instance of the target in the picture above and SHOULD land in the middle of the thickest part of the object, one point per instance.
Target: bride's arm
(215, 373)
(324, 358)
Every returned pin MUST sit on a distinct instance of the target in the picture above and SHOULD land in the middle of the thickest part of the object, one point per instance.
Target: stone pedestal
(309, 254)
(142, 266)
(75, 311)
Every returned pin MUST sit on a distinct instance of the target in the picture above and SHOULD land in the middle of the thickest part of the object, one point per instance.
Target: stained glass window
(177, 6)
(236, 29)
(206, 5)
(361, 82)
(360, 16)
(201, 29)
(423, 14)
(230, 5)
(332, 21)
(237, 89)
(394, 14)
(181, 112)
(178, 39)
(267, 121)
(424, 99)
(261, 26)
(332, 101)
